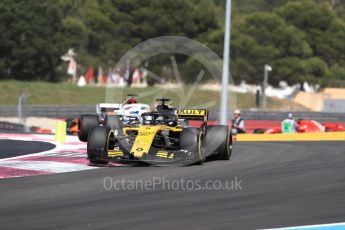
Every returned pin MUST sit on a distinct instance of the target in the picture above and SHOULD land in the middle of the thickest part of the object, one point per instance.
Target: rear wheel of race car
(100, 140)
(114, 123)
(86, 123)
(191, 140)
(218, 142)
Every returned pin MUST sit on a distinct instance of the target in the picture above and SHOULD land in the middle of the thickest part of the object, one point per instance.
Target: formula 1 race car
(162, 138)
(112, 115)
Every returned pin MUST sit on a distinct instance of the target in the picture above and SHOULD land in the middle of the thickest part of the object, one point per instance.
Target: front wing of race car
(156, 157)
(142, 151)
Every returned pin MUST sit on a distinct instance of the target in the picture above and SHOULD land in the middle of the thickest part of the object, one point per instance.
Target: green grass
(43, 93)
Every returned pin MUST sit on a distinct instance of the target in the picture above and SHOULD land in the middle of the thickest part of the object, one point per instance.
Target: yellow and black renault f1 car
(162, 138)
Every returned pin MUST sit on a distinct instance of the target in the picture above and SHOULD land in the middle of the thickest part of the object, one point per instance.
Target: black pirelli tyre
(191, 139)
(100, 140)
(114, 123)
(86, 123)
(218, 142)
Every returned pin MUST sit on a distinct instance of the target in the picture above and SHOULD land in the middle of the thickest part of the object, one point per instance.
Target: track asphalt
(274, 184)
(13, 148)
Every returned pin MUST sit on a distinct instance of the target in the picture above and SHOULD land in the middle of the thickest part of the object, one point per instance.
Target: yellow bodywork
(146, 134)
(115, 153)
(165, 154)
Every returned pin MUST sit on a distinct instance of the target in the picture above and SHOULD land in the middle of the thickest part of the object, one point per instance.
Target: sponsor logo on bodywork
(191, 112)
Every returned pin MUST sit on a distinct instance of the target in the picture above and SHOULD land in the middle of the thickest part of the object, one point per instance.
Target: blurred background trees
(301, 39)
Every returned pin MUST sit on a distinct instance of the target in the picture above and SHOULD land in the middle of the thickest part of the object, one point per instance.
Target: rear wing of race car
(193, 114)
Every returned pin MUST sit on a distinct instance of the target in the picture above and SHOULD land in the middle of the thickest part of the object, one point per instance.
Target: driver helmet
(132, 101)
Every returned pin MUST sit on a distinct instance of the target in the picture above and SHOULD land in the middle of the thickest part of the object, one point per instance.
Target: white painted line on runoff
(332, 226)
(48, 166)
(66, 157)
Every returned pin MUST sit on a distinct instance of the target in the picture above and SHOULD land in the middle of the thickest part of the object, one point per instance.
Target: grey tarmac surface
(279, 184)
(13, 148)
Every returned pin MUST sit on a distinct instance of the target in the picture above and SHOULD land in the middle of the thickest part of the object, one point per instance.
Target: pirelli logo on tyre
(191, 112)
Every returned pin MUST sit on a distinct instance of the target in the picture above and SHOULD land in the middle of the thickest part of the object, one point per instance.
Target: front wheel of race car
(218, 142)
(191, 140)
(86, 123)
(100, 140)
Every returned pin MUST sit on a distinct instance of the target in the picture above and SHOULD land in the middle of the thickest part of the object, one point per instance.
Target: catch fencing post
(21, 114)
(226, 61)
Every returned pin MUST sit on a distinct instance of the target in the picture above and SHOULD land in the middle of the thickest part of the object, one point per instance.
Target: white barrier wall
(334, 105)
